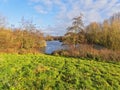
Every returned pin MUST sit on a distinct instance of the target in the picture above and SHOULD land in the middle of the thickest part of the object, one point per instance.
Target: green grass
(44, 72)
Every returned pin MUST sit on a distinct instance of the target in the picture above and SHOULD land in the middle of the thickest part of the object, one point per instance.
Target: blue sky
(53, 16)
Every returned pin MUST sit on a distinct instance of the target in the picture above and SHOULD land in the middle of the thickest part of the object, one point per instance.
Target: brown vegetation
(106, 34)
(26, 39)
(98, 41)
(50, 38)
(90, 51)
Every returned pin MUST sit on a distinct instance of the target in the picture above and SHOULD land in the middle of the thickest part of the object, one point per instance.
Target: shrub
(20, 41)
(89, 51)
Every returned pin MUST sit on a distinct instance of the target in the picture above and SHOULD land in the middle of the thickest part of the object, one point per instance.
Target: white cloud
(40, 9)
(47, 2)
(93, 10)
(58, 29)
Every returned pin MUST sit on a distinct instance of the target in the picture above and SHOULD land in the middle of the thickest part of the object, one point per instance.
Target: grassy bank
(44, 72)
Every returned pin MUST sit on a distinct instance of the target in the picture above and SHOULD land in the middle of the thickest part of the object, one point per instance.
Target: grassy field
(44, 72)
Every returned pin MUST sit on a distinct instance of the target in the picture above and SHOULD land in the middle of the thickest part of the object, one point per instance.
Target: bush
(89, 51)
(20, 41)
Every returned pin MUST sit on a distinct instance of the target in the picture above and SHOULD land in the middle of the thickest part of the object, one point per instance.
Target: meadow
(45, 72)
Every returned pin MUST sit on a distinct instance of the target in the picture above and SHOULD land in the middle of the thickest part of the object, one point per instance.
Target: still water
(53, 46)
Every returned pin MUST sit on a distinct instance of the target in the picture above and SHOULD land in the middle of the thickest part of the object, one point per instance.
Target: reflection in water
(53, 46)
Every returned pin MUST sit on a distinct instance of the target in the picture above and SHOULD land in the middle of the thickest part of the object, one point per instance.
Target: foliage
(72, 37)
(95, 52)
(93, 33)
(77, 25)
(48, 38)
(106, 34)
(21, 40)
(43, 72)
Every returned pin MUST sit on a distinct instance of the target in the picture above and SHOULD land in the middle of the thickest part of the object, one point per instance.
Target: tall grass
(95, 52)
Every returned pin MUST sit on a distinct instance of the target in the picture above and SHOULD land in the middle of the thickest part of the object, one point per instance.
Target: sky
(54, 16)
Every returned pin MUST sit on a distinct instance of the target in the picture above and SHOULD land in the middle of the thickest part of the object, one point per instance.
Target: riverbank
(28, 71)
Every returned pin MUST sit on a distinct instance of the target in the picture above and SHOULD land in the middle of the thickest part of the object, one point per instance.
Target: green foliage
(44, 72)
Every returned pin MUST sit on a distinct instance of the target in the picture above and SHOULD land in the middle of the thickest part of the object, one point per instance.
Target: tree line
(26, 39)
(106, 34)
(96, 40)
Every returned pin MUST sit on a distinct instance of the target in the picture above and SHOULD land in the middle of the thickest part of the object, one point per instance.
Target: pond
(53, 46)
